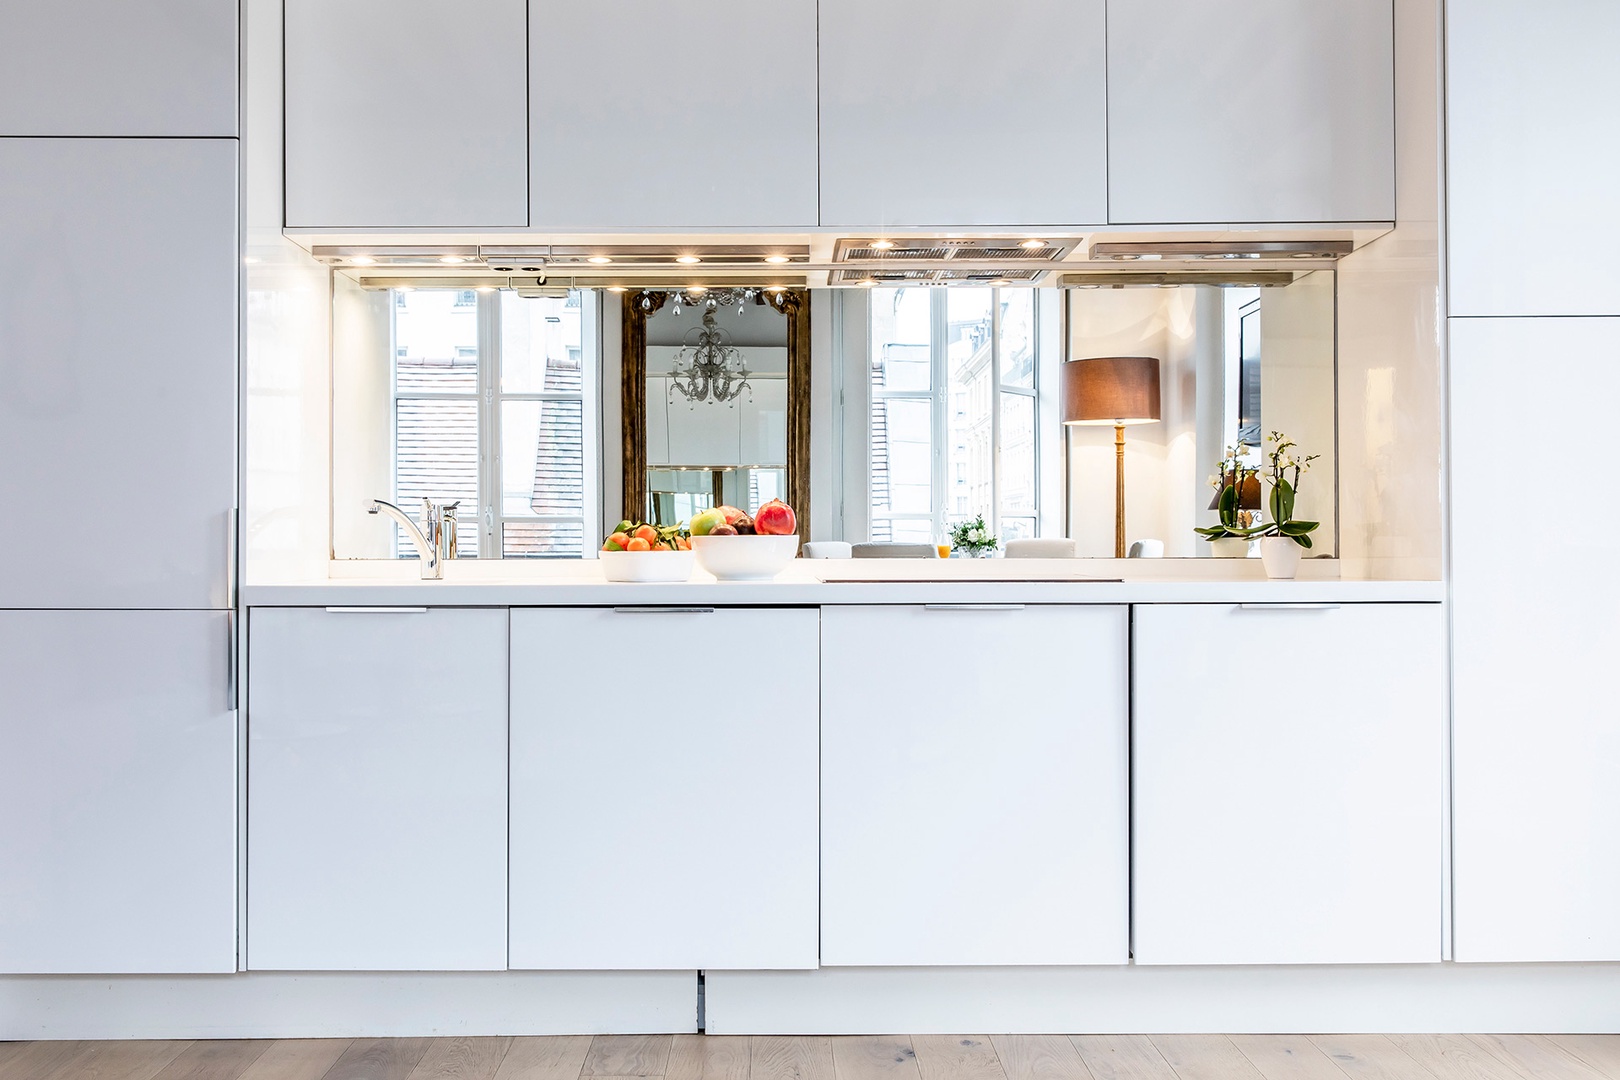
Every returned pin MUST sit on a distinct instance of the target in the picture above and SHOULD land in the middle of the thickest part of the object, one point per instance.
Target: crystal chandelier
(708, 365)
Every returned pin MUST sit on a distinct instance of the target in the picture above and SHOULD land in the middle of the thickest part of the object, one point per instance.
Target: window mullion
(939, 377)
(995, 412)
(489, 425)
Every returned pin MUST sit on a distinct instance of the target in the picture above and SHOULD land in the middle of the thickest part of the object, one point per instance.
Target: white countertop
(471, 583)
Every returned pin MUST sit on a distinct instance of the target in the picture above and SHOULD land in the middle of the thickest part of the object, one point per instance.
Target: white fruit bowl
(646, 566)
(745, 558)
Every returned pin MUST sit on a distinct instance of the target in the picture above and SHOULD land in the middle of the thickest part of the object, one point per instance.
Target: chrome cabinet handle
(664, 610)
(1289, 607)
(973, 607)
(232, 702)
(377, 610)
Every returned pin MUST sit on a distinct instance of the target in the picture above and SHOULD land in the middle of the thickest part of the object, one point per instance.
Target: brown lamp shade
(1248, 493)
(1111, 390)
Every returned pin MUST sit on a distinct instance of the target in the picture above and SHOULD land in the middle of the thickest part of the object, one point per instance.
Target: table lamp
(1115, 390)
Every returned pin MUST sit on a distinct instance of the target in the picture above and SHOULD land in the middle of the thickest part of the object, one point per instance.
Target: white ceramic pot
(646, 566)
(745, 558)
(1230, 547)
(1281, 556)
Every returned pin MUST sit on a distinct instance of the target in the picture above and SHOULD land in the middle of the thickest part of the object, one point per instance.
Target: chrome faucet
(426, 551)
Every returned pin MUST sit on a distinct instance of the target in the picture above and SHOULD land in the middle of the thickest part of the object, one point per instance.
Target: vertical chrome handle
(232, 554)
(232, 700)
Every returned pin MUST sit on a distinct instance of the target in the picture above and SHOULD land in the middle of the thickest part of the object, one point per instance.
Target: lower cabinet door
(117, 792)
(664, 788)
(973, 785)
(1288, 783)
(377, 790)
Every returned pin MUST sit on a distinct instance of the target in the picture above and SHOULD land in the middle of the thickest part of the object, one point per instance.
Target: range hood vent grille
(961, 249)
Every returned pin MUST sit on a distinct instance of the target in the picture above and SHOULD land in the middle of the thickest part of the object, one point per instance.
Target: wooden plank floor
(864, 1057)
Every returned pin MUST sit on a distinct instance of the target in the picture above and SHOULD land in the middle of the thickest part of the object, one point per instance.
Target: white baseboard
(1119, 1000)
(264, 1005)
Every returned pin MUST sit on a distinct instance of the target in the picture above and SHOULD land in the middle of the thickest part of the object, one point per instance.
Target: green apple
(705, 520)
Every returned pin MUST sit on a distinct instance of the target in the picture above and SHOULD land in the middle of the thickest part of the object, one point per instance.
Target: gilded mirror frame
(792, 304)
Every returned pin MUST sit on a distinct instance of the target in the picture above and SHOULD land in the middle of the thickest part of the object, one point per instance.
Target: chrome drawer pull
(973, 607)
(1289, 607)
(664, 610)
(377, 610)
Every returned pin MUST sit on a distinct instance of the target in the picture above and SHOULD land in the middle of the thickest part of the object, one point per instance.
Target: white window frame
(1047, 460)
(489, 520)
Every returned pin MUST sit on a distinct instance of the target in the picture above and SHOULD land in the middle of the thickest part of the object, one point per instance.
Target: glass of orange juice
(944, 551)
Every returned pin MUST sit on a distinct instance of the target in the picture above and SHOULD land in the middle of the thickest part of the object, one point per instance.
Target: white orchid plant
(1284, 468)
(1237, 522)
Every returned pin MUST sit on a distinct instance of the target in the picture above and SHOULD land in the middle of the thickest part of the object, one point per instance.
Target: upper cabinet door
(118, 67)
(118, 792)
(118, 345)
(1532, 150)
(1251, 111)
(645, 114)
(962, 112)
(406, 113)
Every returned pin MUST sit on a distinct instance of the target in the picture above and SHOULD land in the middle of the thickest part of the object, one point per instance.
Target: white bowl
(745, 558)
(646, 565)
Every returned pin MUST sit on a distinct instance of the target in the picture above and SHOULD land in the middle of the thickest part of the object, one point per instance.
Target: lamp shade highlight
(1111, 390)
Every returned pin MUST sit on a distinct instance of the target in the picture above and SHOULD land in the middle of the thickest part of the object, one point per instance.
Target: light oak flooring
(878, 1057)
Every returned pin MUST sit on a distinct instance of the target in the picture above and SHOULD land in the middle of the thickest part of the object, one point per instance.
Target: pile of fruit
(775, 518)
(640, 536)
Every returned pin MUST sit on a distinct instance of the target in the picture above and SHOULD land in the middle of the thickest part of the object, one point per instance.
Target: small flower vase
(1281, 557)
(1230, 547)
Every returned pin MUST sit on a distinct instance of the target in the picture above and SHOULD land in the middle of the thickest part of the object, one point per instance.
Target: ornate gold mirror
(716, 401)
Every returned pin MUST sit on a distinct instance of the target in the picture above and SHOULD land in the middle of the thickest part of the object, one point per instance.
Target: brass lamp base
(1119, 491)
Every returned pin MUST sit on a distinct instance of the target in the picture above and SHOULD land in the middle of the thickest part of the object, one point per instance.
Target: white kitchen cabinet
(1531, 217)
(377, 789)
(663, 788)
(973, 785)
(406, 113)
(118, 303)
(1288, 783)
(646, 116)
(764, 423)
(1250, 111)
(962, 112)
(1535, 742)
(704, 432)
(118, 792)
(118, 67)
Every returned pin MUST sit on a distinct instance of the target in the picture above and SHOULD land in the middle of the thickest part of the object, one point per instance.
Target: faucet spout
(426, 552)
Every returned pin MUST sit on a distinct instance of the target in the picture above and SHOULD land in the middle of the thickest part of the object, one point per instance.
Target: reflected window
(953, 423)
(494, 408)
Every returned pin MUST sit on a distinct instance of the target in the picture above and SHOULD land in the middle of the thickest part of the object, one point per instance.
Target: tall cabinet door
(1535, 729)
(973, 785)
(118, 67)
(1288, 790)
(963, 112)
(1531, 154)
(649, 116)
(1251, 111)
(664, 788)
(406, 113)
(118, 342)
(117, 792)
(377, 790)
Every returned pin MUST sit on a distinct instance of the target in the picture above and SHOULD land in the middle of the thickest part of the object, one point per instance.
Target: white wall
(1391, 410)
(286, 525)
(362, 395)
(1296, 391)
(1162, 468)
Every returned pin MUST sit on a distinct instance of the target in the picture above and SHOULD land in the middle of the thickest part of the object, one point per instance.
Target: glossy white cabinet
(1536, 745)
(118, 792)
(963, 112)
(663, 788)
(118, 67)
(657, 420)
(703, 432)
(764, 423)
(643, 115)
(973, 785)
(1250, 111)
(118, 362)
(377, 789)
(1531, 217)
(1288, 793)
(406, 113)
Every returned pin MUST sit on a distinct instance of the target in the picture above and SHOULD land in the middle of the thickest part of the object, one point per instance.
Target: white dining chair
(1059, 548)
(826, 549)
(894, 551)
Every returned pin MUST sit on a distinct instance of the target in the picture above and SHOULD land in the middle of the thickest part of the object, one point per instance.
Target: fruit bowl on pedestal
(646, 566)
(745, 558)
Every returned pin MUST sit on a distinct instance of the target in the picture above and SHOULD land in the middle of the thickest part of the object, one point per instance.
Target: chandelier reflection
(708, 367)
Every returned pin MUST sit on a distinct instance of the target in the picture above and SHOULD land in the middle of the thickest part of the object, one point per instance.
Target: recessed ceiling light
(687, 260)
(486, 288)
(1031, 245)
(868, 283)
(776, 260)
(696, 289)
(362, 260)
(599, 260)
(882, 245)
(615, 288)
(404, 288)
(451, 260)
